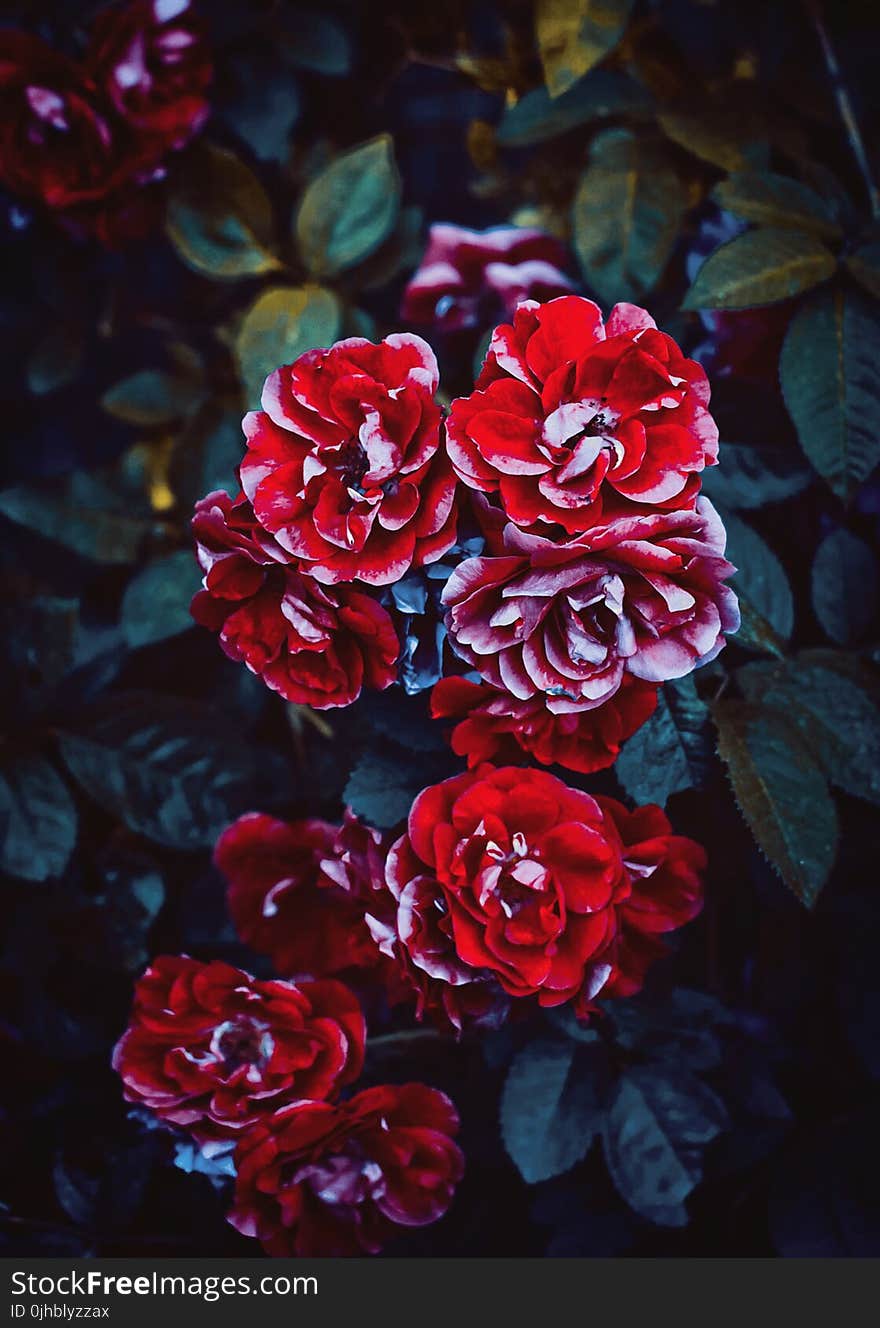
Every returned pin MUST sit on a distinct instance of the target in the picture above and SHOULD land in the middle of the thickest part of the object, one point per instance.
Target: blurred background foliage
(709, 159)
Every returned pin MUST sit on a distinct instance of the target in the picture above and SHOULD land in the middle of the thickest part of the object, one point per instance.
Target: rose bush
(568, 410)
(642, 594)
(343, 462)
(314, 645)
(322, 1180)
(212, 1049)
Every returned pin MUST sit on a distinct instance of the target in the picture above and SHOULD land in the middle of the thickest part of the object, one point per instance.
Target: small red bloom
(665, 872)
(567, 409)
(343, 466)
(313, 645)
(60, 141)
(642, 594)
(211, 1048)
(152, 60)
(510, 876)
(469, 279)
(528, 872)
(298, 891)
(493, 725)
(321, 1180)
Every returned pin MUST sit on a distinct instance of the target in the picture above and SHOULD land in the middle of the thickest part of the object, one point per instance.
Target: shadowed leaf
(829, 377)
(760, 267)
(781, 792)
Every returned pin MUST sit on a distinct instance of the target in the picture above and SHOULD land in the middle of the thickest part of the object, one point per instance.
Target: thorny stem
(845, 106)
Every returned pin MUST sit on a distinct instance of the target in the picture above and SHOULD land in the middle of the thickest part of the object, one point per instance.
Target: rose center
(242, 1041)
(344, 1181)
(516, 875)
(352, 464)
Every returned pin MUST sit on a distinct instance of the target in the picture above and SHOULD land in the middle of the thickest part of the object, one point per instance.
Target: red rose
(528, 872)
(314, 646)
(665, 872)
(495, 726)
(566, 409)
(151, 58)
(298, 891)
(642, 594)
(211, 1048)
(60, 142)
(316, 1179)
(470, 278)
(343, 464)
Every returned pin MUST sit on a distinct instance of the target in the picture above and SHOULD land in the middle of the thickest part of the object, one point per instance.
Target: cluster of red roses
(76, 136)
(601, 575)
(506, 884)
(578, 455)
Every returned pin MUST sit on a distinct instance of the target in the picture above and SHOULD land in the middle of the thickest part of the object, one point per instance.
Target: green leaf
(265, 107)
(760, 267)
(78, 516)
(574, 35)
(752, 476)
(864, 264)
(281, 324)
(318, 43)
(219, 216)
(828, 372)
(550, 1111)
(844, 582)
(675, 1029)
(349, 208)
(781, 792)
(151, 397)
(37, 819)
(386, 780)
(776, 200)
(760, 580)
(171, 769)
(56, 360)
(723, 138)
(656, 1129)
(626, 215)
(602, 93)
(837, 717)
(156, 602)
(671, 751)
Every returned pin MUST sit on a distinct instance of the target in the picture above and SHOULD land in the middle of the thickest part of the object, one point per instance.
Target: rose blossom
(568, 409)
(468, 278)
(528, 873)
(495, 726)
(343, 466)
(510, 875)
(211, 1048)
(299, 890)
(314, 645)
(60, 142)
(153, 62)
(643, 594)
(321, 1180)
